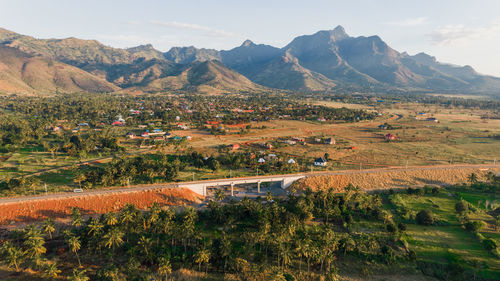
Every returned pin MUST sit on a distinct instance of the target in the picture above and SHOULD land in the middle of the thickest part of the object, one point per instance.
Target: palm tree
(49, 227)
(472, 178)
(164, 267)
(75, 245)
(114, 238)
(110, 219)
(12, 254)
(269, 196)
(145, 244)
(34, 243)
(78, 275)
(219, 195)
(76, 217)
(95, 227)
(202, 256)
(51, 270)
(79, 178)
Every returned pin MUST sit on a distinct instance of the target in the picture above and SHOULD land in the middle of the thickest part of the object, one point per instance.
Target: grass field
(448, 240)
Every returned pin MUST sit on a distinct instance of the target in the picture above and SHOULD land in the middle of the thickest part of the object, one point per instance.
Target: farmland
(460, 135)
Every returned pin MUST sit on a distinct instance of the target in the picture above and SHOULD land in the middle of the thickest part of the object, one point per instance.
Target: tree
(114, 238)
(48, 227)
(269, 196)
(76, 217)
(78, 275)
(74, 246)
(219, 194)
(472, 178)
(12, 255)
(79, 178)
(489, 244)
(51, 270)
(164, 267)
(202, 256)
(425, 217)
(94, 227)
(34, 243)
(474, 226)
(461, 207)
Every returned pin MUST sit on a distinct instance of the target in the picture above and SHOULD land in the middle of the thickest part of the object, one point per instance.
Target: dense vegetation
(301, 237)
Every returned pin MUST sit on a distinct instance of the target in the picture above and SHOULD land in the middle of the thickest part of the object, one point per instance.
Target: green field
(448, 241)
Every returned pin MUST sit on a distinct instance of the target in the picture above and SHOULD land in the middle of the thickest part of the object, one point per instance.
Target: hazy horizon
(457, 32)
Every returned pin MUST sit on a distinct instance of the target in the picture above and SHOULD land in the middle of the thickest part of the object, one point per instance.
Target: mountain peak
(339, 33)
(247, 43)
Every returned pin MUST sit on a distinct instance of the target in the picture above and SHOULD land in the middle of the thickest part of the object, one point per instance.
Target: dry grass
(389, 179)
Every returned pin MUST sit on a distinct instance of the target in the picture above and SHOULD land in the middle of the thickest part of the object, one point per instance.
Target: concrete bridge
(200, 187)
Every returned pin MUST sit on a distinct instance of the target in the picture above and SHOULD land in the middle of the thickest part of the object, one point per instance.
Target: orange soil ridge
(94, 204)
(390, 179)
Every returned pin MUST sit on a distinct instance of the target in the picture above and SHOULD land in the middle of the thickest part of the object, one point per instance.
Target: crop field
(93, 204)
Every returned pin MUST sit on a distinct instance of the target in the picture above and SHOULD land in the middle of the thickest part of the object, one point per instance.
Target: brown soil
(94, 204)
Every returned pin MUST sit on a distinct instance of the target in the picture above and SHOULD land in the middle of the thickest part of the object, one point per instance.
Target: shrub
(402, 226)
(489, 244)
(390, 228)
(435, 190)
(425, 217)
(461, 207)
(474, 226)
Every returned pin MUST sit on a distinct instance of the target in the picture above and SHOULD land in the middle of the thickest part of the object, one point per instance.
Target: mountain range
(324, 61)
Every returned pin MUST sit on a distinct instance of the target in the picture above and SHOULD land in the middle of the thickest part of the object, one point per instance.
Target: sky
(462, 32)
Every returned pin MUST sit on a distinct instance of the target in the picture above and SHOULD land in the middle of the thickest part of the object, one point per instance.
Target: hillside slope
(26, 74)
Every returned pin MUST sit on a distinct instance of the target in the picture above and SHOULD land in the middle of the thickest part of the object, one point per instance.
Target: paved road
(137, 188)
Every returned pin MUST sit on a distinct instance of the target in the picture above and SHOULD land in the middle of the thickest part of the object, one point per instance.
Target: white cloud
(409, 22)
(208, 31)
(456, 34)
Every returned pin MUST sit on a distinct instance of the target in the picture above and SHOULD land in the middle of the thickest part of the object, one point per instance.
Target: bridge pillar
(232, 189)
(258, 187)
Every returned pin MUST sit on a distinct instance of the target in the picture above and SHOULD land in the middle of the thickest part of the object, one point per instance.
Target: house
(272, 156)
(177, 138)
(382, 127)
(188, 137)
(320, 162)
(390, 137)
(119, 118)
(167, 135)
(130, 135)
(432, 119)
(330, 141)
(317, 140)
(321, 119)
(145, 134)
(291, 161)
(117, 123)
(290, 142)
(235, 147)
(261, 160)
